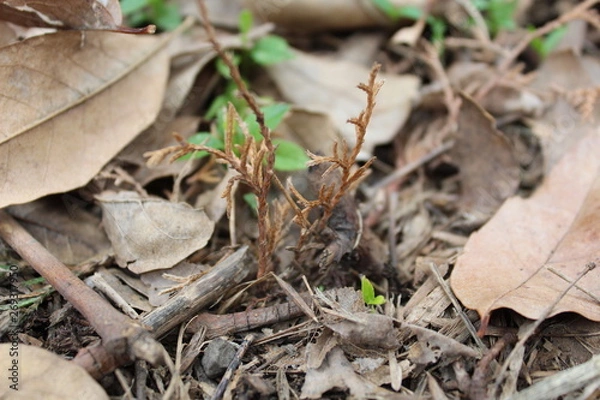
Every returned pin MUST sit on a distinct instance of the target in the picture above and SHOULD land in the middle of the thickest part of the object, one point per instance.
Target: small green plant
(158, 12)
(545, 44)
(499, 14)
(268, 50)
(368, 293)
(436, 25)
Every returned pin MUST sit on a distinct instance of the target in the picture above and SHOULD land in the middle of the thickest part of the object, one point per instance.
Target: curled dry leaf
(65, 14)
(525, 257)
(367, 330)
(320, 84)
(71, 101)
(151, 233)
(40, 374)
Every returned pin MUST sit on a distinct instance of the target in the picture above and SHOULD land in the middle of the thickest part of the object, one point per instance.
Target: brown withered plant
(342, 162)
(254, 162)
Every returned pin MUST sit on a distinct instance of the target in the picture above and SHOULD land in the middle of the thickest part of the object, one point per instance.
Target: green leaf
(289, 156)
(394, 12)
(128, 7)
(270, 50)
(274, 114)
(223, 69)
(206, 139)
(544, 46)
(253, 127)
(500, 15)
(250, 199)
(167, 16)
(245, 21)
(368, 293)
(410, 12)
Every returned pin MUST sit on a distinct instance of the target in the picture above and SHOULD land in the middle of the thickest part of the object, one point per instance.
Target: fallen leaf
(64, 227)
(337, 372)
(151, 233)
(433, 345)
(70, 102)
(307, 15)
(66, 14)
(40, 374)
(562, 126)
(367, 330)
(328, 86)
(488, 169)
(509, 262)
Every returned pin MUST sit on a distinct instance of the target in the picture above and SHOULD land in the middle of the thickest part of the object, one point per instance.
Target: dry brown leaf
(562, 125)
(310, 15)
(337, 372)
(329, 86)
(152, 233)
(66, 14)
(40, 374)
(368, 330)
(432, 346)
(509, 262)
(64, 227)
(489, 171)
(70, 102)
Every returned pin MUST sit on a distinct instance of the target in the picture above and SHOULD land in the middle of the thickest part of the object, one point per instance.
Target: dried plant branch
(344, 160)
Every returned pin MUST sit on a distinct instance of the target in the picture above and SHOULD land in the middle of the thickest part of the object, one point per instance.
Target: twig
(233, 365)
(478, 385)
(468, 324)
(180, 308)
(123, 338)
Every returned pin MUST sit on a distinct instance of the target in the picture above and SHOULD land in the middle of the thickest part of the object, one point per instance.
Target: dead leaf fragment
(40, 374)
(152, 233)
(64, 227)
(337, 372)
(509, 262)
(70, 103)
(367, 330)
(69, 14)
(328, 86)
(489, 171)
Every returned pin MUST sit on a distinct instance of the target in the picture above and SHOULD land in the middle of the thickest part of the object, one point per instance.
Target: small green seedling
(436, 25)
(268, 50)
(546, 44)
(368, 293)
(499, 14)
(142, 12)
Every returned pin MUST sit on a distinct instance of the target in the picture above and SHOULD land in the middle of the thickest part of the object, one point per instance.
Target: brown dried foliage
(255, 163)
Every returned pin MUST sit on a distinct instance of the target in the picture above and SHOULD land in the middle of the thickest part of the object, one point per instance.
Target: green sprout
(268, 50)
(158, 12)
(499, 15)
(544, 45)
(368, 293)
(436, 25)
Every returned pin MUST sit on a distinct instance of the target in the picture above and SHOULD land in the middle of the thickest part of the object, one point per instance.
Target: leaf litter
(476, 223)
